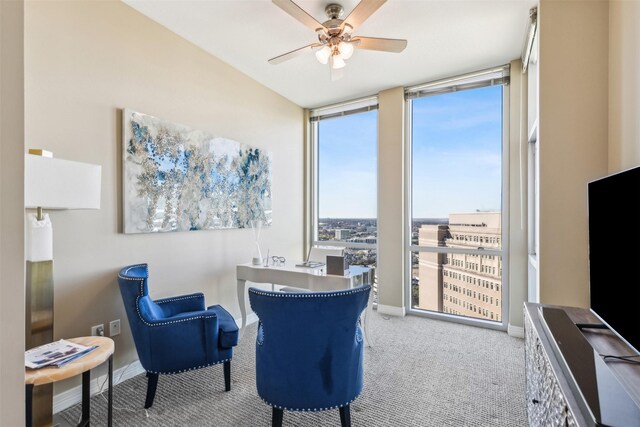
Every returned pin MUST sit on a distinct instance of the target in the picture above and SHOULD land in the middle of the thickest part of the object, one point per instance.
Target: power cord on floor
(628, 359)
(101, 393)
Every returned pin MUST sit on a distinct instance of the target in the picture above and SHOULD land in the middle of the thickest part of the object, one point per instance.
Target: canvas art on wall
(179, 179)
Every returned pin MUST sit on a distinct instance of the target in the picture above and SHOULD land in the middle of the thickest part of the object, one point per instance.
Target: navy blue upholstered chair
(177, 334)
(309, 349)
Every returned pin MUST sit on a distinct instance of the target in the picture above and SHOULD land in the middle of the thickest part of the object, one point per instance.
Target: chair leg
(227, 375)
(276, 417)
(345, 416)
(152, 384)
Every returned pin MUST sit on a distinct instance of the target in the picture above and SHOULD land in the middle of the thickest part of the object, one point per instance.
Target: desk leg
(86, 398)
(242, 284)
(110, 393)
(29, 404)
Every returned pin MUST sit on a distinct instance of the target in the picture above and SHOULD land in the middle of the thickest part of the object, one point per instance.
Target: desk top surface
(291, 266)
(89, 361)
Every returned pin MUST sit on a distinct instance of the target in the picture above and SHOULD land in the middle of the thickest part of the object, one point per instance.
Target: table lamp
(49, 183)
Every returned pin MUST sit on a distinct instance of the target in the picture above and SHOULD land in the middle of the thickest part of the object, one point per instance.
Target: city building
(462, 284)
(343, 234)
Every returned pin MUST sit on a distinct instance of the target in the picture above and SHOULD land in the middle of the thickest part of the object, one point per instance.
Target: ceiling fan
(336, 41)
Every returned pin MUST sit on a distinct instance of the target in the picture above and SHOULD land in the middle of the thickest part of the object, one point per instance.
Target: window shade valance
(344, 109)
(489, 77)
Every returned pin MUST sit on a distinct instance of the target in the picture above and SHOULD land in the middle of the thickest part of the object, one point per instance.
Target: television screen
(614, 253)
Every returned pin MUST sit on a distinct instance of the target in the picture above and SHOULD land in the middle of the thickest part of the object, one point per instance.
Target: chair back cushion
(309, 347)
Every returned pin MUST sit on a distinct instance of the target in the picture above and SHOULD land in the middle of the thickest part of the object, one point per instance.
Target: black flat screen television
(614, 253)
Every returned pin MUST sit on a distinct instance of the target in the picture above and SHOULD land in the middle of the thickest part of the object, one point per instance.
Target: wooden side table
(82, 365)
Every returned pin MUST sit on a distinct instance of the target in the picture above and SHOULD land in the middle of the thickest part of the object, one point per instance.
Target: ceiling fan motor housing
(334, 11)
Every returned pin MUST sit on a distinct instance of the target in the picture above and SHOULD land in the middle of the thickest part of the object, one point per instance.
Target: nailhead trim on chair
(312, 409)
(146, 267)
(141, 280)
(303, 295)
(190, 369)
(279, 294)
(162, 301)
(188, 319)
(161, 323)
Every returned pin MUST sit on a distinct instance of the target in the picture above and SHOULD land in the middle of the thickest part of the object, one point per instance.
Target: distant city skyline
(457, 158)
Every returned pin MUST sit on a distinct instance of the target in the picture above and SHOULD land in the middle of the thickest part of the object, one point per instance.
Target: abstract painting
(176, 178)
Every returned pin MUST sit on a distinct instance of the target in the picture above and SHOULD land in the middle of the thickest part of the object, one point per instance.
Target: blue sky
(457, 146)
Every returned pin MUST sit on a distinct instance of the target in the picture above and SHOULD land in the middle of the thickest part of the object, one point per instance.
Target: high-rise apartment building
(462, 284)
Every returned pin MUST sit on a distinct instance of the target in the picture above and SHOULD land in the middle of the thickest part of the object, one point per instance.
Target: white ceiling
(445, 38)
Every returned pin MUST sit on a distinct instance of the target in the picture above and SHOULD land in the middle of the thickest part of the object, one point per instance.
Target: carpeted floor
(419, 372)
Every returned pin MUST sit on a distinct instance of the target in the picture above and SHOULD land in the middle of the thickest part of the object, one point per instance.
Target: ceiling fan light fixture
(346, 49)
(336, 42)
(323, 54)
(337, 62)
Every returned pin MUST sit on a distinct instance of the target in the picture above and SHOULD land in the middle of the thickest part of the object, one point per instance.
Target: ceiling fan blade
(385, 45)
(298, 13)
(293, 54)
(361, 12)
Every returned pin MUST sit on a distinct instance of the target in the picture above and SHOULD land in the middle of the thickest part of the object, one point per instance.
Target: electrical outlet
(114, 327)
(98, 330)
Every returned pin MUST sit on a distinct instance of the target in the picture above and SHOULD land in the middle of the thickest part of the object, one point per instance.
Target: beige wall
(11, 214)
(572, 137)
(391, 231)
(84, 61)
(624, 84)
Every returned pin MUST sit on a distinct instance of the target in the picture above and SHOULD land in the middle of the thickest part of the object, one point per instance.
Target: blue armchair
(177, 334)
(309, 349)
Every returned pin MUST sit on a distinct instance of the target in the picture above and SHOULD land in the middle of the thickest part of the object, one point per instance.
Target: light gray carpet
(419, 372)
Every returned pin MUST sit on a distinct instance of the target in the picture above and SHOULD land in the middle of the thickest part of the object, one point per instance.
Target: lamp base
(39, 329)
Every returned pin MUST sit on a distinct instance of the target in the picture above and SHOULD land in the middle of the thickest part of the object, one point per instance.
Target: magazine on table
(57, 353)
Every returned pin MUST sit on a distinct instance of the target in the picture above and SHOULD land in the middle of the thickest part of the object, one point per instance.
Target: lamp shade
(52, 183)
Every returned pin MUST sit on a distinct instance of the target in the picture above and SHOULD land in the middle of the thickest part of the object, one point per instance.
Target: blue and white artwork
(180, 179)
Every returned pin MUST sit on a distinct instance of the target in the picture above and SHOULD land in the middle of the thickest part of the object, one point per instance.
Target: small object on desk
(336, 265)
(310, 264)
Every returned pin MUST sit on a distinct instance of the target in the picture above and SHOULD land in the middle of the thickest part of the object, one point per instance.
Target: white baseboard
(67, 399)
(515, 331)
(391, 310)
(251, 318)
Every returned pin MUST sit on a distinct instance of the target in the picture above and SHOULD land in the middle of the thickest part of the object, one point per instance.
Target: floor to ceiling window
(456, 208)
(344, 195)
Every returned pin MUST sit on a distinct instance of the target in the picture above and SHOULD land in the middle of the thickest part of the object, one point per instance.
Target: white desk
(314, 279)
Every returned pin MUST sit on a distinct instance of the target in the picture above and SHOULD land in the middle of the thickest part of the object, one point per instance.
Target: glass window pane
(460, 284)
(457, 166)
(347, 178)
(456, 201)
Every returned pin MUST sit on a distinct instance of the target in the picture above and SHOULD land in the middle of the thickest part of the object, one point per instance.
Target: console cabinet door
(546, 405)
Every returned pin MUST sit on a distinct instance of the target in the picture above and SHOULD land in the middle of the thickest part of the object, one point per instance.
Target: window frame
(356, 106)
(441, 88)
